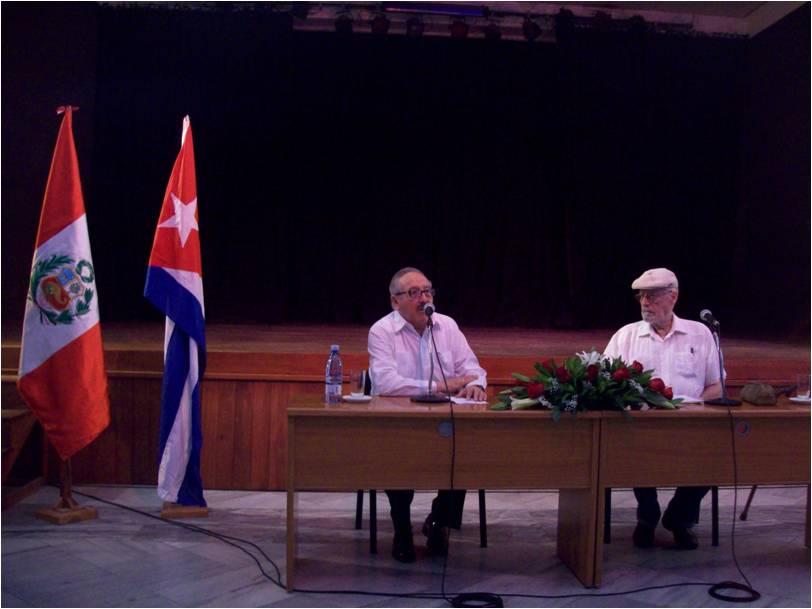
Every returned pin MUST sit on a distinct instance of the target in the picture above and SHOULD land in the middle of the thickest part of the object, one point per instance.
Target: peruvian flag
(175, 286)
(62, 376)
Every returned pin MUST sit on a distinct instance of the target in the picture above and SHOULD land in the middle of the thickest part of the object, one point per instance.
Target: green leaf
(524, 404)
(499, 406)
(544, 370)
(654, 398)
(522, 378)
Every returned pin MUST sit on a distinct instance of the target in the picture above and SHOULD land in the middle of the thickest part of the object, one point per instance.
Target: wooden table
(693, 446)
(392, 443)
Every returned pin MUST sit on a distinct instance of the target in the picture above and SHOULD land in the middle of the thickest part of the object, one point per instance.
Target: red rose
(563, 375)
(535, 390)
(521, 383)
(621, 374)
(592, 372)
(668, 393)
(548, 365)
(657, 385)
(637, 367)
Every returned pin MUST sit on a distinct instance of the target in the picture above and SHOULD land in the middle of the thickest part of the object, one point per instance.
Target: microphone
(431, 397)
(706, 316)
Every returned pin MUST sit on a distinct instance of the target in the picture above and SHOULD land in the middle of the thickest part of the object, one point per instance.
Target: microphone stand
(724, 400)
(430, 397)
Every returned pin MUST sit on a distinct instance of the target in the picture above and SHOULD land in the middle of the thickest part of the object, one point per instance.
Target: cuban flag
(175, 285)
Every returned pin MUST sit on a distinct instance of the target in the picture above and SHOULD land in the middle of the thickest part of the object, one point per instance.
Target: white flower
(587, 385)
(605, 375)
(571, 404)
(545, 403)
(593, 357)
(637, 386)
(554, 384)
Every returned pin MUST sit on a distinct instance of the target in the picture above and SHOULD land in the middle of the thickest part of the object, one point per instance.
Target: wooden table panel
(392, 443)
(693, 446)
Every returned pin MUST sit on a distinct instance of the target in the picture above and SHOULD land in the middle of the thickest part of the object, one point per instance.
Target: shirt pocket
(685, 363)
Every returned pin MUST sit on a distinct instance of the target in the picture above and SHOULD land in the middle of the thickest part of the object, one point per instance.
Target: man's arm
(713, 376)
(613, 348)
(473, 377)
(712, 392)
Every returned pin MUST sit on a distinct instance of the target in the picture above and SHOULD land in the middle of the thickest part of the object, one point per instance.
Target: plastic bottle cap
(333, 347)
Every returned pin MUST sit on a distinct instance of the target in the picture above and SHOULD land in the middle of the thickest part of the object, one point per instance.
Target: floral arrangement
(586, 381)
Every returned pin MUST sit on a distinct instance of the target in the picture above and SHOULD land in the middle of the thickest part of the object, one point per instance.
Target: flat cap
(655, 278)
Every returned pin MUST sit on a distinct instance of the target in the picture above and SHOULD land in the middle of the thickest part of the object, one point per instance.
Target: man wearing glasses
(399, 365)
(683, 354)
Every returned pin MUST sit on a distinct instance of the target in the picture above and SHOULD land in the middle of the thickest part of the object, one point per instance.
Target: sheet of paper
(687, 399)
(457, 400)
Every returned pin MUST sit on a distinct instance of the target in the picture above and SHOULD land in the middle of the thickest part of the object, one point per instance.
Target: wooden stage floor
(260, 348)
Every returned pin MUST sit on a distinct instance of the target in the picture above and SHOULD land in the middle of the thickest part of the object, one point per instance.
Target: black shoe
(436, 537)
(403, 547)
(643, 536)
(684, 538)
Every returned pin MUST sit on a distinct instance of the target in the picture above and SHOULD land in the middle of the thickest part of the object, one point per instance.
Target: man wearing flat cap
(682, 353)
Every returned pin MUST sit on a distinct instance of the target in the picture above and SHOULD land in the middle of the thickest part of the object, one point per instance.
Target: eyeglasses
(415, 293)
(652, 295)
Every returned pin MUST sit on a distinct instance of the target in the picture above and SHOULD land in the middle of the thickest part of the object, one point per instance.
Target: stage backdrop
(532, 182)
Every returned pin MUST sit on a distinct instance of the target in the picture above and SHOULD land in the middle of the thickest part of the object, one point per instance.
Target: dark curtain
(531, 182)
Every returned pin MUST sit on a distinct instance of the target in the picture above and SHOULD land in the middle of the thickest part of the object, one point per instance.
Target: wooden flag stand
(176, 510)
(66, 509)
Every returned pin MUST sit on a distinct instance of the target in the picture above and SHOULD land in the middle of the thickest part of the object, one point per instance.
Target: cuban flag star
(175, 285)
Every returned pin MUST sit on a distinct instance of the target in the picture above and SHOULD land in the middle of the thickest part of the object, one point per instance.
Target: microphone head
(428, 309)
(706, 316)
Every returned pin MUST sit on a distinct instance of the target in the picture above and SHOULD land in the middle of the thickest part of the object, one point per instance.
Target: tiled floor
(124, 559)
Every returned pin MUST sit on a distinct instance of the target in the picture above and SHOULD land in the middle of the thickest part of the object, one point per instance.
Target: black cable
(191, 527)
(417, 595)
(465, 599)
(751, 593)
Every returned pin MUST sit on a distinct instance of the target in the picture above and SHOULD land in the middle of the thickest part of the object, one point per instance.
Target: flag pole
(66, 509)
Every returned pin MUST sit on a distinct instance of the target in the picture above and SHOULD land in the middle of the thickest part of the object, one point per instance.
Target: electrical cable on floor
(222, 537)
(714, 591)
(417, 595)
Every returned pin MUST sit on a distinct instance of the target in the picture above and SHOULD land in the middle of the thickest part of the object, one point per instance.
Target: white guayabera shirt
(686, 358)
(399, 356)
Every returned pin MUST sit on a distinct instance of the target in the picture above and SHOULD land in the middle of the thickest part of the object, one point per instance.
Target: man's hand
(473, 392)
(457, 383)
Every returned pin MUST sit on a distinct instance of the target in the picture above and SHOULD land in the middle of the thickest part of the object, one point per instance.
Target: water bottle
(333, 377)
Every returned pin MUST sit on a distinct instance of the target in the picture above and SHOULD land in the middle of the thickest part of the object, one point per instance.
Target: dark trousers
(682, 511)
(446, 508)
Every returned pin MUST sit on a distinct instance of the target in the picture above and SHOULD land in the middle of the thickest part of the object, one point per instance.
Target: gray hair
(394, 285)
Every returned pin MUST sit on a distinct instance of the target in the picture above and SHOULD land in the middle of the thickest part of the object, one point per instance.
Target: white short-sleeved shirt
(686, 359)
(399, 356)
